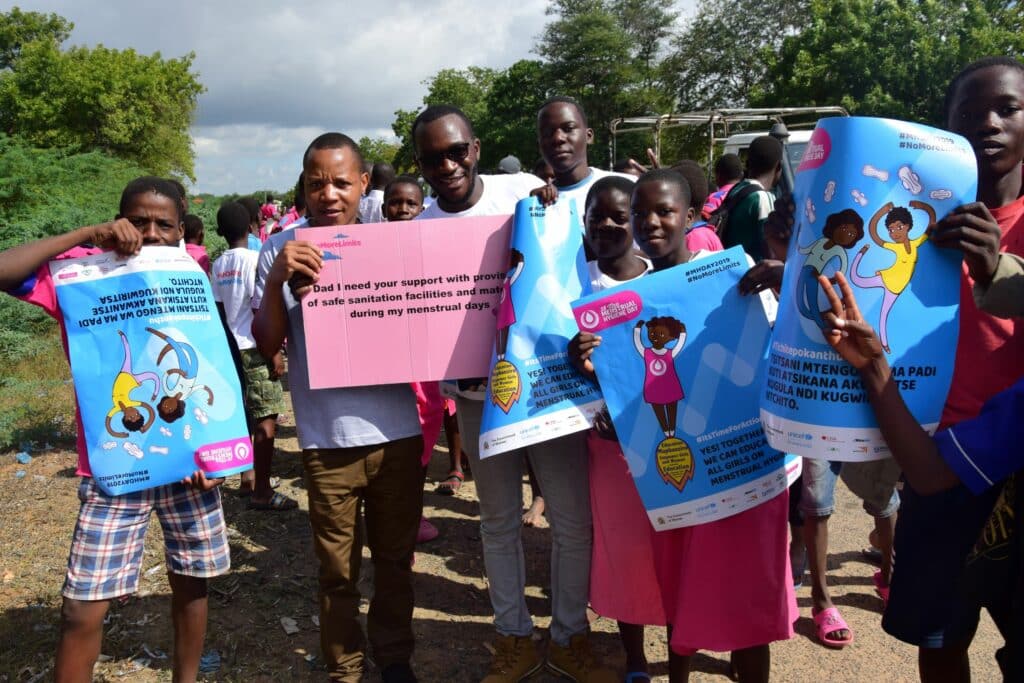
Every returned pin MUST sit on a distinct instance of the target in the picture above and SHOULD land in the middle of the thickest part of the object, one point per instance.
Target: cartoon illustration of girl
(842, 230)
(179, 382)
(894, 279)
(506, 313)
(662, 388)
(121, 400)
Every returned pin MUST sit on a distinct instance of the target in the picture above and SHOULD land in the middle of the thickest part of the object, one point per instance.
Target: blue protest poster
(680, 366)
(533, 393)
(866, 192)
(153, 375)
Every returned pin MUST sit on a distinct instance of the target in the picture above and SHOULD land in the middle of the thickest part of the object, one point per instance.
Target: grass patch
(37, 399)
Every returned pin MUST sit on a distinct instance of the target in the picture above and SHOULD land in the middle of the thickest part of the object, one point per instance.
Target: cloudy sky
(278, 73)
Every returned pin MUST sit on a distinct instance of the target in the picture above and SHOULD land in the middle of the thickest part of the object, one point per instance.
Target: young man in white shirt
(447, 153)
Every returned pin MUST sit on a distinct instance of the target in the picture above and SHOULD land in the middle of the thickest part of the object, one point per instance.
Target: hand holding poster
(867, 192)
(679, 364)
(154, 379)
(409, 301)
(534, 394)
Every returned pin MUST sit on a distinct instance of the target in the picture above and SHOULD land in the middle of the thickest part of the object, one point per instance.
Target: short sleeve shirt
(234, 279)
(334, 418)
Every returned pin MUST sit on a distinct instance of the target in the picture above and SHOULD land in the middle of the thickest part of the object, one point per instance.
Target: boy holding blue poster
(106, 549)
(935, 533)
(981, 453)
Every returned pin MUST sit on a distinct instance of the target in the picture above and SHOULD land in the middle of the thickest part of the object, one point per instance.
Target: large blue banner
(866, 193)
(156, 386)
(533, 393)
(680, 365)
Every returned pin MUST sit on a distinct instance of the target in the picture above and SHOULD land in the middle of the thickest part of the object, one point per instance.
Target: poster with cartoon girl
(842, 230)
(895, 278)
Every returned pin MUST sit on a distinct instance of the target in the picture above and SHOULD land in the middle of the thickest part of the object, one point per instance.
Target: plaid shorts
(263, 396)
(106, 549)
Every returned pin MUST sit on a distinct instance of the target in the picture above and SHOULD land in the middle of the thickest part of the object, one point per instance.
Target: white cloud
(278, 72)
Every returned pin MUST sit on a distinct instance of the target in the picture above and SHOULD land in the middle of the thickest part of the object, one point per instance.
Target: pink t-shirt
(39, 290)
(990, 350)
(702, 238)
(199, 255)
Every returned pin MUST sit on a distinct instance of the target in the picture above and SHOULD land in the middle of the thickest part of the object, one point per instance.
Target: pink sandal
(829, 621)
(882, 590)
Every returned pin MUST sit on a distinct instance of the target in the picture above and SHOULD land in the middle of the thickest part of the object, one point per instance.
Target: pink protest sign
(404, 302)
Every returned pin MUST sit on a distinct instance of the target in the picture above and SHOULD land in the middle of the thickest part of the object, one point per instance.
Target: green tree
(133, 106)
(464, 88)
(376, 149)
(604, 53)
(17, 28)
(889, 57)
(510, 123)
(720, 54)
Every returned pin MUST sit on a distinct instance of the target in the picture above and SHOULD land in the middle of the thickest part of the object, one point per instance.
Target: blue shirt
(989, 448)
(254, 242)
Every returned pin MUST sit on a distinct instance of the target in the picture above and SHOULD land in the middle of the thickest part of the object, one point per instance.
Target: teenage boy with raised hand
(361, 446)
(447, 153)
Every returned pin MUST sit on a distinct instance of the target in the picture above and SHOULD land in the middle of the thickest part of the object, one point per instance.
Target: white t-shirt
(577, 193)
(334, 418)
(371, 207)
(600, 282)
(501, 192)
(233, 279)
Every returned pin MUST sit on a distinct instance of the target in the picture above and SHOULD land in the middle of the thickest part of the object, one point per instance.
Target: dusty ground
(273, 577)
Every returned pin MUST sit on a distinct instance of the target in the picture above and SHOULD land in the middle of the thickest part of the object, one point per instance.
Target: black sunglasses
(454, 153)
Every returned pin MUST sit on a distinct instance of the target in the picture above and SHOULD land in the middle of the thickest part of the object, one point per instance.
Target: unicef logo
(658, 367)
(242, 451)
(589, 319)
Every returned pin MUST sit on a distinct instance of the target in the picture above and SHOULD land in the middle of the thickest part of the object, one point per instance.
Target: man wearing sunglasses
(447, 153)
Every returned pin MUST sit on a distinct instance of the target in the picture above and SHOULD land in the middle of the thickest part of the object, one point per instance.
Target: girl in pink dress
(662, 388)
(724, 585)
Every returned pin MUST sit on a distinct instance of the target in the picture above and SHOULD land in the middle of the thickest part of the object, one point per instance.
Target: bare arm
(927, 209)
(873, 224)
(18, 263)
(637, 342)
(298, 260)
(911, 446)
(679, 345)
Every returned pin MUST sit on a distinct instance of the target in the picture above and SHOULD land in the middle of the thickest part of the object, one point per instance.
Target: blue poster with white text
(154, 379)
(533, 393)
(867, 191)
(680, 365)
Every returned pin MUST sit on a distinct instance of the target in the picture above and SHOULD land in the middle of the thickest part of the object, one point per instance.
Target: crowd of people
(728, 585)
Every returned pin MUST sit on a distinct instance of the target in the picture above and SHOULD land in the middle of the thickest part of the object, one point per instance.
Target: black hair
(844, 217)
(381, 175)
(609, 182)
(977, 65)
(178, 186)
(232, 221)
(675, 327)
(667, 175)
(899, 213)
(403, 180)
(193, 226)
(764, 155)
(270, 199)
(540, 167)
(300, 193)
(149, 183)
(252, 206)
(565, 100)
(729, 166)
(333, 141)
(515, 257)
(437, 111)
(694, 174)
